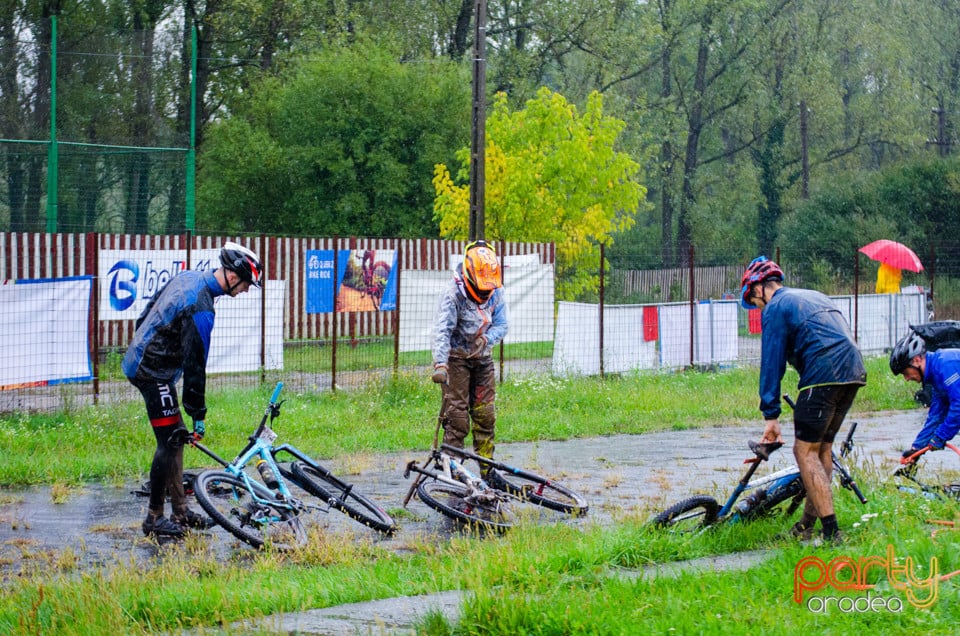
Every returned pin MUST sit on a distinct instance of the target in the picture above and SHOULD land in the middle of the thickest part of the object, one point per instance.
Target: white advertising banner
(882, 319)
(576, 350)
(715, 333)
(235, 342)
(130, 278)
(528, 288)
(45, 338)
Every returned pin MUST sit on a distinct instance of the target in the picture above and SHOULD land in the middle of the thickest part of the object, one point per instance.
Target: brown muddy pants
(469, 394)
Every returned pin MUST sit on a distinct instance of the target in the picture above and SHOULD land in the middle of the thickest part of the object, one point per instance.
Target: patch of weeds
(405, 513)
(356, 463)
(60, 493)
(434, 623)
(612, 481)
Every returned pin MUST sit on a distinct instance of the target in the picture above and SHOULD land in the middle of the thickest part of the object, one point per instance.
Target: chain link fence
(337, 313)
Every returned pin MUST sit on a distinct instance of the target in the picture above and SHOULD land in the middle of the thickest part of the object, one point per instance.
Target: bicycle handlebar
(913, 458)
(276, 393)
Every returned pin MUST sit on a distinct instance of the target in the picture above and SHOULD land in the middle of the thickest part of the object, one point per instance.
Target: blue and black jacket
(804, 327)
(173, 338)
(942, 373)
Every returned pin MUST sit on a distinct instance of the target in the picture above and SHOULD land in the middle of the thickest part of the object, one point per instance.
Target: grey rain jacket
(460, 320)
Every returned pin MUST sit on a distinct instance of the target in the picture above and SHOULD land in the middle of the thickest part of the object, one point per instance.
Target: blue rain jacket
(173, 337)
(804, 327)
(942, 373)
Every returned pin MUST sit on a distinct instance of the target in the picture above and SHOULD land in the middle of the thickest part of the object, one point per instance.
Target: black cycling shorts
(163, 408)
(820, 411)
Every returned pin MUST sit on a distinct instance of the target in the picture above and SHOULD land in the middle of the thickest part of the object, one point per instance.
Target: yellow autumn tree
(552, 174)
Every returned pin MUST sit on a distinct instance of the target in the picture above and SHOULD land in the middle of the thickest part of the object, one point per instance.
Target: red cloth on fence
(753, 321)
(650, 324)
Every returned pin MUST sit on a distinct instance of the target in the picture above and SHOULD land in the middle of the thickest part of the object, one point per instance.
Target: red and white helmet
(243, 262)
(760, 269)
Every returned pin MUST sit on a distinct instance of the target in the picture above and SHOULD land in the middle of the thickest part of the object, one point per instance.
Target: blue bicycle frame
(260, 445)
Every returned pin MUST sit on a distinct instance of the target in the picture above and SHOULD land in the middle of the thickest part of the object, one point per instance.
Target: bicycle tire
(690, 514)
(539, 490)
(229, 501)
(448, 499)
(356, 506)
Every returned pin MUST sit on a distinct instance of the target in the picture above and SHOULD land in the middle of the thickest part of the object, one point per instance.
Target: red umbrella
(893, 254)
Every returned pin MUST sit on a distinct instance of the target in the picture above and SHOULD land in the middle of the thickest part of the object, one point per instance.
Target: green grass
(535, 580)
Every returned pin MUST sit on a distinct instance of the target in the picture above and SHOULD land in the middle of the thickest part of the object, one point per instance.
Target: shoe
(161, 527)
(191, 519)
(801, 532)
(837, 539)
(820, 541)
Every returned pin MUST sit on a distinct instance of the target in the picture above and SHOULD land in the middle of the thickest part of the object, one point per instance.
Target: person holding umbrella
(888, 279)
(893, 257)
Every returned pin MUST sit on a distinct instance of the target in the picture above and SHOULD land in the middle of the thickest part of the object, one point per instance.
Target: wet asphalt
(99, 525)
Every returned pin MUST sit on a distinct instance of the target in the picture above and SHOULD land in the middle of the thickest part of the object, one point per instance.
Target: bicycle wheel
(452, 501)
(689, 514)
(229, 501)
(353, 504)
(539, 490)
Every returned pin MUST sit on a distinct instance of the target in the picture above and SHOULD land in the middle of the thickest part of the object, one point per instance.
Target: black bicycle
(265, 505)
(497, 501)
(908, 471)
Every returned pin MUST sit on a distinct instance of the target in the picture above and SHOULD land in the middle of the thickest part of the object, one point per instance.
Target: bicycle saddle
(763, 450)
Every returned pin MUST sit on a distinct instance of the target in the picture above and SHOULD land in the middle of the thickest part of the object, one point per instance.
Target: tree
(343, 144)
(551, 175)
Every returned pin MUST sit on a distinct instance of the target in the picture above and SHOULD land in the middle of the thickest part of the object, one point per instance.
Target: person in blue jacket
(172, 339)
(471, 318)
(940, 370)
(804, 327)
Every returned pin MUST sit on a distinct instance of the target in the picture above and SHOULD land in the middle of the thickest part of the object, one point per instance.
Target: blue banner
(365, 280)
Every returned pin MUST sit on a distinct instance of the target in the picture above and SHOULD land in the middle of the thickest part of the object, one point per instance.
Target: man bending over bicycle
(173, 339)
(940, 370)
(804, 327)
(470, 320)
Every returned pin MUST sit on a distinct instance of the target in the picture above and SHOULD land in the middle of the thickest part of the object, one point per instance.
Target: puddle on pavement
(622, 475)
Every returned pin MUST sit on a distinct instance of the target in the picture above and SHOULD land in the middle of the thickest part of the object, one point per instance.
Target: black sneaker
(161, 527)
(191, 519)
(801, 532)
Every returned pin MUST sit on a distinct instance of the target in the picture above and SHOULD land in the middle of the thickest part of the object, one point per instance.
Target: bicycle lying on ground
(497, 502)
(268, 510)
(765, 494)
(908, 471)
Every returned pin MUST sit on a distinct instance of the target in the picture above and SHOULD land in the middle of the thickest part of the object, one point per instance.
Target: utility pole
(942, 140)
(478, 124)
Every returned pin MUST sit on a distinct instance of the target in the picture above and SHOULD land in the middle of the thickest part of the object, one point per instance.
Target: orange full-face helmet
(481, 271)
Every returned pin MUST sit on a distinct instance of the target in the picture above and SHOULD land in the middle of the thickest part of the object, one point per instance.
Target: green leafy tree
(343, 144)
(552, 174)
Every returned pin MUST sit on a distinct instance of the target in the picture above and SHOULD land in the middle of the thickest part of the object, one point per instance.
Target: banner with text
(365, 280)
(46, 336)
